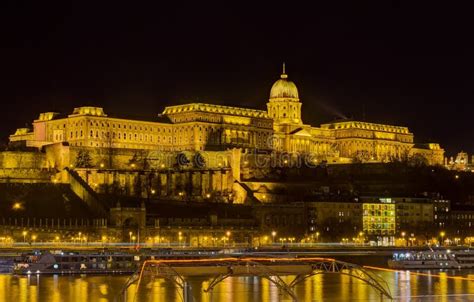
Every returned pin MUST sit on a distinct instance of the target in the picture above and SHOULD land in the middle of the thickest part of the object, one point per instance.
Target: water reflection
(323, 287)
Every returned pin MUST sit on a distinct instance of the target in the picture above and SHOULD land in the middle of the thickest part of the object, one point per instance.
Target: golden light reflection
(329, 287)
(441, 288)
(420, 274)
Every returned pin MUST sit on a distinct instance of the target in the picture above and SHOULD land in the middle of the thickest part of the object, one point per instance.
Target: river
(451, 285)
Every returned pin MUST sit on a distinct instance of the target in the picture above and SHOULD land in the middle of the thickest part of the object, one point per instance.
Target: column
(196, 183)
(204, 182)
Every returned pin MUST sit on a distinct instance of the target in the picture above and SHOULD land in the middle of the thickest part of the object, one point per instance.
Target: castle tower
(284, 105)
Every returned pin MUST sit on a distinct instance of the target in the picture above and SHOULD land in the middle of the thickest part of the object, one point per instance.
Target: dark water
(438, 286)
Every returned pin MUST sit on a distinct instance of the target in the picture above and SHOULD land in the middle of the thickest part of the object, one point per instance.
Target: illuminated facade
(199, 126)
(379, 219)
(462, 162)
(189, 127)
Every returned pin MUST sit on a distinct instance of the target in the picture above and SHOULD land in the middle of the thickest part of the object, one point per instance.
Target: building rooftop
(211, 108)
(350, 124)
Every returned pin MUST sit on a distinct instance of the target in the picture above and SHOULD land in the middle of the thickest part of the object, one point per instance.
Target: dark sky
(389, 63)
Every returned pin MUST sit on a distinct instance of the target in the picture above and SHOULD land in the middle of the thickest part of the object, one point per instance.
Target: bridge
(270, 268)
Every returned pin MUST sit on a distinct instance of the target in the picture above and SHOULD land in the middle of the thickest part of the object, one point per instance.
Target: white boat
(76, 263)
(433, 259)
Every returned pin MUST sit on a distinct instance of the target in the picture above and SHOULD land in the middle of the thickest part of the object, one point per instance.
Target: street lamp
(317, 236)
(403, 238)
(412, 238)
(441, 234)
(33, 238)
(24, 235)
(227, 234)
(361, 237)
(265, 240)
(273, 236)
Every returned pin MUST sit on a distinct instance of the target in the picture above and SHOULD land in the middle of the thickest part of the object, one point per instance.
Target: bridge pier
(187, 292)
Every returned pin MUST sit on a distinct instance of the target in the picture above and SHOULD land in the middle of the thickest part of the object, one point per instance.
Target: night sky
(390, 63)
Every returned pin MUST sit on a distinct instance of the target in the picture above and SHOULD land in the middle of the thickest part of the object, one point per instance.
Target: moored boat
(76, 263)
(433, 259)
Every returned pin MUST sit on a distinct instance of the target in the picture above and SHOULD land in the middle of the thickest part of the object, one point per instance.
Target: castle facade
(208, 127)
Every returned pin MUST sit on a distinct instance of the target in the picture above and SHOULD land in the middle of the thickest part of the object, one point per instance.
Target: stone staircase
(86, 193)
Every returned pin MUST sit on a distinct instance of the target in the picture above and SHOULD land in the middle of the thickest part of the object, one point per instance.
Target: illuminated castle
(208, 127)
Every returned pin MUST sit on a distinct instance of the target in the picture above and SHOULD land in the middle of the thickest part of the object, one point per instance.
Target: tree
(360, 156)
(417, 160)
(140, 160)
(83, 159)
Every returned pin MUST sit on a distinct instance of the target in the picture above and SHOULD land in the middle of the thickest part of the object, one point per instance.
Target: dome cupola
(284, 88)
(284, 105)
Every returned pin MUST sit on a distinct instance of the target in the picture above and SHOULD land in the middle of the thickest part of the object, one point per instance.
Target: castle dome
(284, 88)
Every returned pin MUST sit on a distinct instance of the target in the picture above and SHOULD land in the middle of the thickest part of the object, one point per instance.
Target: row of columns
(168, 182)
(53, 222)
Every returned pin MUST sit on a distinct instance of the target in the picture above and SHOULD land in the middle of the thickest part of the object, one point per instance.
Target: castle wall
(22, 160)
(25, 175)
